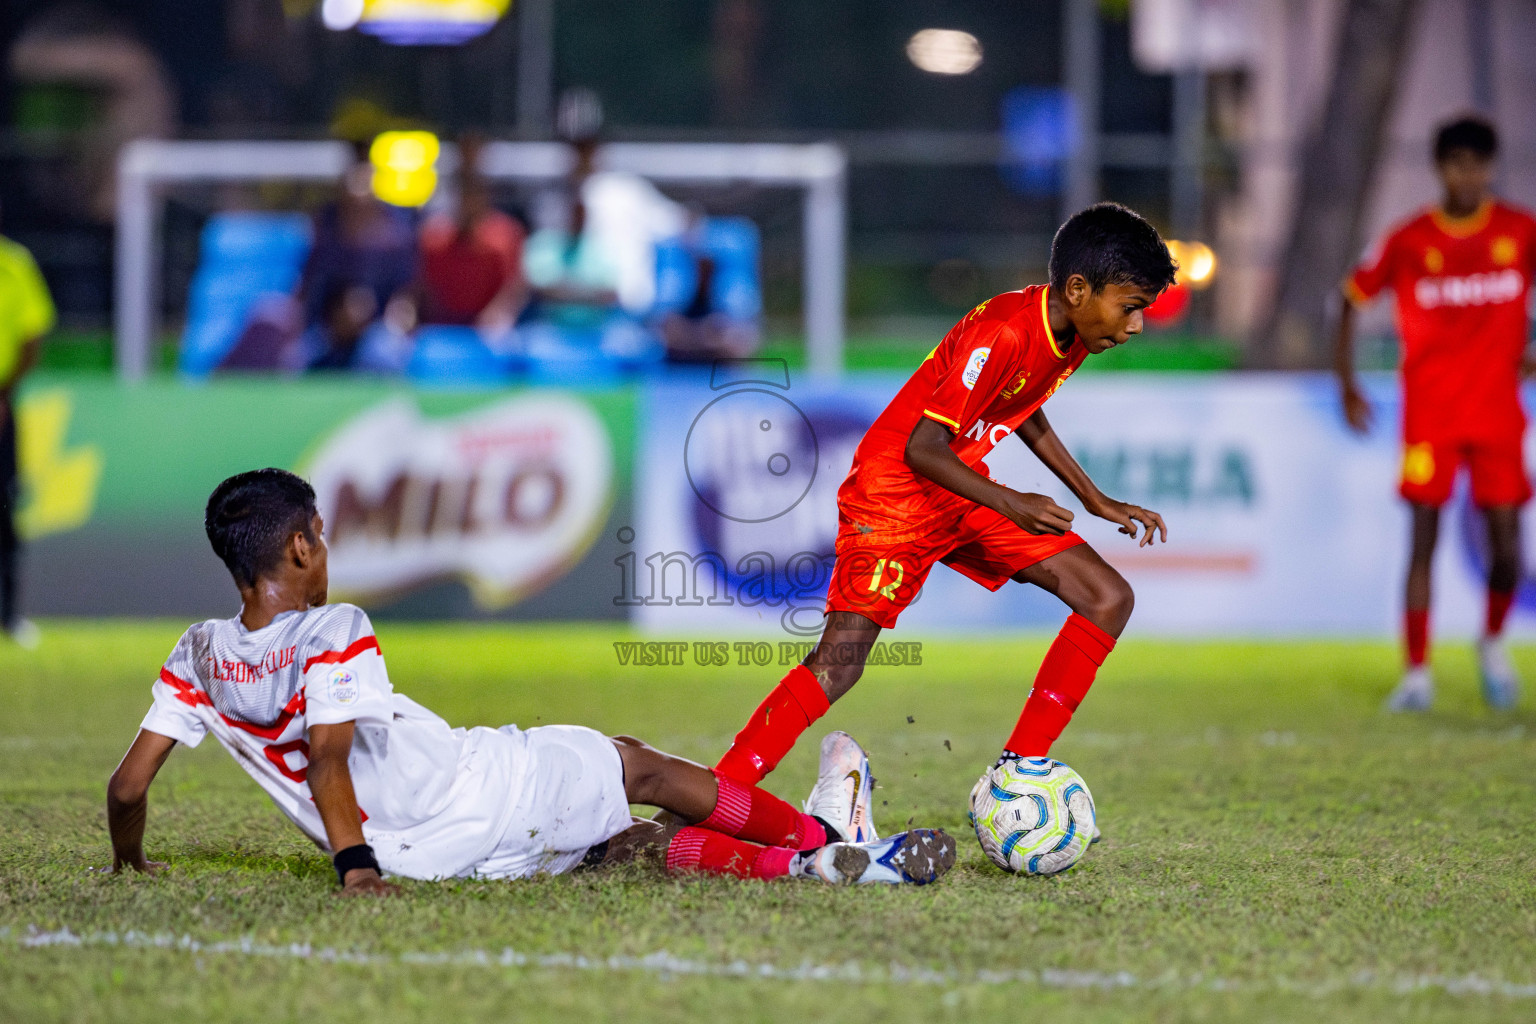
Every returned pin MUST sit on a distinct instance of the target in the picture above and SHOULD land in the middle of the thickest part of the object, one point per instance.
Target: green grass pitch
(1276, 848)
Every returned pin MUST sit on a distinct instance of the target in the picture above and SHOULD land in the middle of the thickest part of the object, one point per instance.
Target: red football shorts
(877, 574)
(1497, 468)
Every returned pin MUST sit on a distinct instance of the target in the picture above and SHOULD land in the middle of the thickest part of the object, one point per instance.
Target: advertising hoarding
(438, 505)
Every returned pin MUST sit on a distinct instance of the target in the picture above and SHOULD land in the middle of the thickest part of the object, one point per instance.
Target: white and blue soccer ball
(1033, 816)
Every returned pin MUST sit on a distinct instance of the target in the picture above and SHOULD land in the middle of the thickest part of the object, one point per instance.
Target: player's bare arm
(330, 783)
(1357, 408)
(929, 455)
(128, 801)
(1036, 432)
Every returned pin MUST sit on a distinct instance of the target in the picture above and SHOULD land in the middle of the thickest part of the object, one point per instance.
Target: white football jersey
(434, 801)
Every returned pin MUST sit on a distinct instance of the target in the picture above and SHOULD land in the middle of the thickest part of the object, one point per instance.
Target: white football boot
(1415, 692)
(1501, 684)
(844, 790)
(915, 857)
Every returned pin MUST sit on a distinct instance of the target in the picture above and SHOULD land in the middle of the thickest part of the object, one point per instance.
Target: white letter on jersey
(978, 431)
(999, 431)
(973, 367)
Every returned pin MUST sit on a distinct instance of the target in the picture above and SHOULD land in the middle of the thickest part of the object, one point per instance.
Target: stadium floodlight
(944, 51)
(146, 166)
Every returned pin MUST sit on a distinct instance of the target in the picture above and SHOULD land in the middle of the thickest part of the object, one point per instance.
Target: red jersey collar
(1463, 227)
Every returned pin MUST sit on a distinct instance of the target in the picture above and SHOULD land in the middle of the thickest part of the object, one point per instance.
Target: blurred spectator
(573, 274)
(621, 215)
(26, 314)
(472, 263)
(332, 341)
(703, 330)
(362, 265)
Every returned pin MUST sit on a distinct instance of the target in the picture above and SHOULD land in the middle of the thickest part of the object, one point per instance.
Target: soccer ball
(1033, 816)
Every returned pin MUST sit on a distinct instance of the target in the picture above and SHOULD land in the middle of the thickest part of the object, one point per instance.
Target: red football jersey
(1461, 288)
(989, 374)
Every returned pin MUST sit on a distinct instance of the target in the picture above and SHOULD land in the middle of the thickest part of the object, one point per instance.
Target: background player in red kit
(918, 492)
(1461, 273)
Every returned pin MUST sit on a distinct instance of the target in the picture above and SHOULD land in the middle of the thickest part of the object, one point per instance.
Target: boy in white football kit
(297, 691)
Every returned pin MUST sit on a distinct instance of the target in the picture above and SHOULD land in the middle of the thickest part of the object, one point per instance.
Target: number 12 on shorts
(888, 591)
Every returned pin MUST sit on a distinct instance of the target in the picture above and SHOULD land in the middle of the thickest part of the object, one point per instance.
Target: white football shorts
(573, 799)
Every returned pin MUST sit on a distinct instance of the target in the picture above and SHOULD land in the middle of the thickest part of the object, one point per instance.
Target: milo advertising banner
(478, 505)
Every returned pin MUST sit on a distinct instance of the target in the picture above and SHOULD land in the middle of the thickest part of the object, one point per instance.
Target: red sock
(1416, 631)
(757, 815)
(773, 728)
(1060, 685)
(698, 849)
(1498, 607)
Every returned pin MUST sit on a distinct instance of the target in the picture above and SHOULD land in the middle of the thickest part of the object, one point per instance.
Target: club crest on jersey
(973, 367)
(343, 687)
(1017, 385)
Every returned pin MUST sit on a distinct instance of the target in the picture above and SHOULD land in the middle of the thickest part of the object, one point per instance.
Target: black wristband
(359, 856)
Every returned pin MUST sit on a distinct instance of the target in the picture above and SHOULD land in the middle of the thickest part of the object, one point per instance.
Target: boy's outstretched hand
(367, 882)
(1127, 516)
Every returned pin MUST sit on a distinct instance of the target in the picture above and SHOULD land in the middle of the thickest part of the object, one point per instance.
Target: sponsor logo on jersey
(343, 687)
(1057, 386)
(981, 430)
(1016, 386)
(973, 367)
(1471, 290)
(978, 310)
(505, 498)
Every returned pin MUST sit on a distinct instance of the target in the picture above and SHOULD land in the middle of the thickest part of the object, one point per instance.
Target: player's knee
(1504, 545)
(1504, 569)
(1110, 603)
(643, 769)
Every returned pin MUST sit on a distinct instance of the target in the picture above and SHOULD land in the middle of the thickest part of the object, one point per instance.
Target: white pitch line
(665, 965)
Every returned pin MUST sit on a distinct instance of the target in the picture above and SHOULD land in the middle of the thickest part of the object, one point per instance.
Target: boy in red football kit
(919, 493)
(1461, 273)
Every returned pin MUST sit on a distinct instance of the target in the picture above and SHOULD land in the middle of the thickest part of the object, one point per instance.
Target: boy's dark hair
(1471, 133)
(1110, 244)
(250, 517)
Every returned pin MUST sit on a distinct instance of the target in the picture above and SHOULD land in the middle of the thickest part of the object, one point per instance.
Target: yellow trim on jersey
(942, 419)
(930, 353)
(1463, 227)
(1045, 318)
(1353, 293)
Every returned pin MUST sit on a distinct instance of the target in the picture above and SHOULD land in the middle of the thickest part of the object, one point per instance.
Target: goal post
(819, 171)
